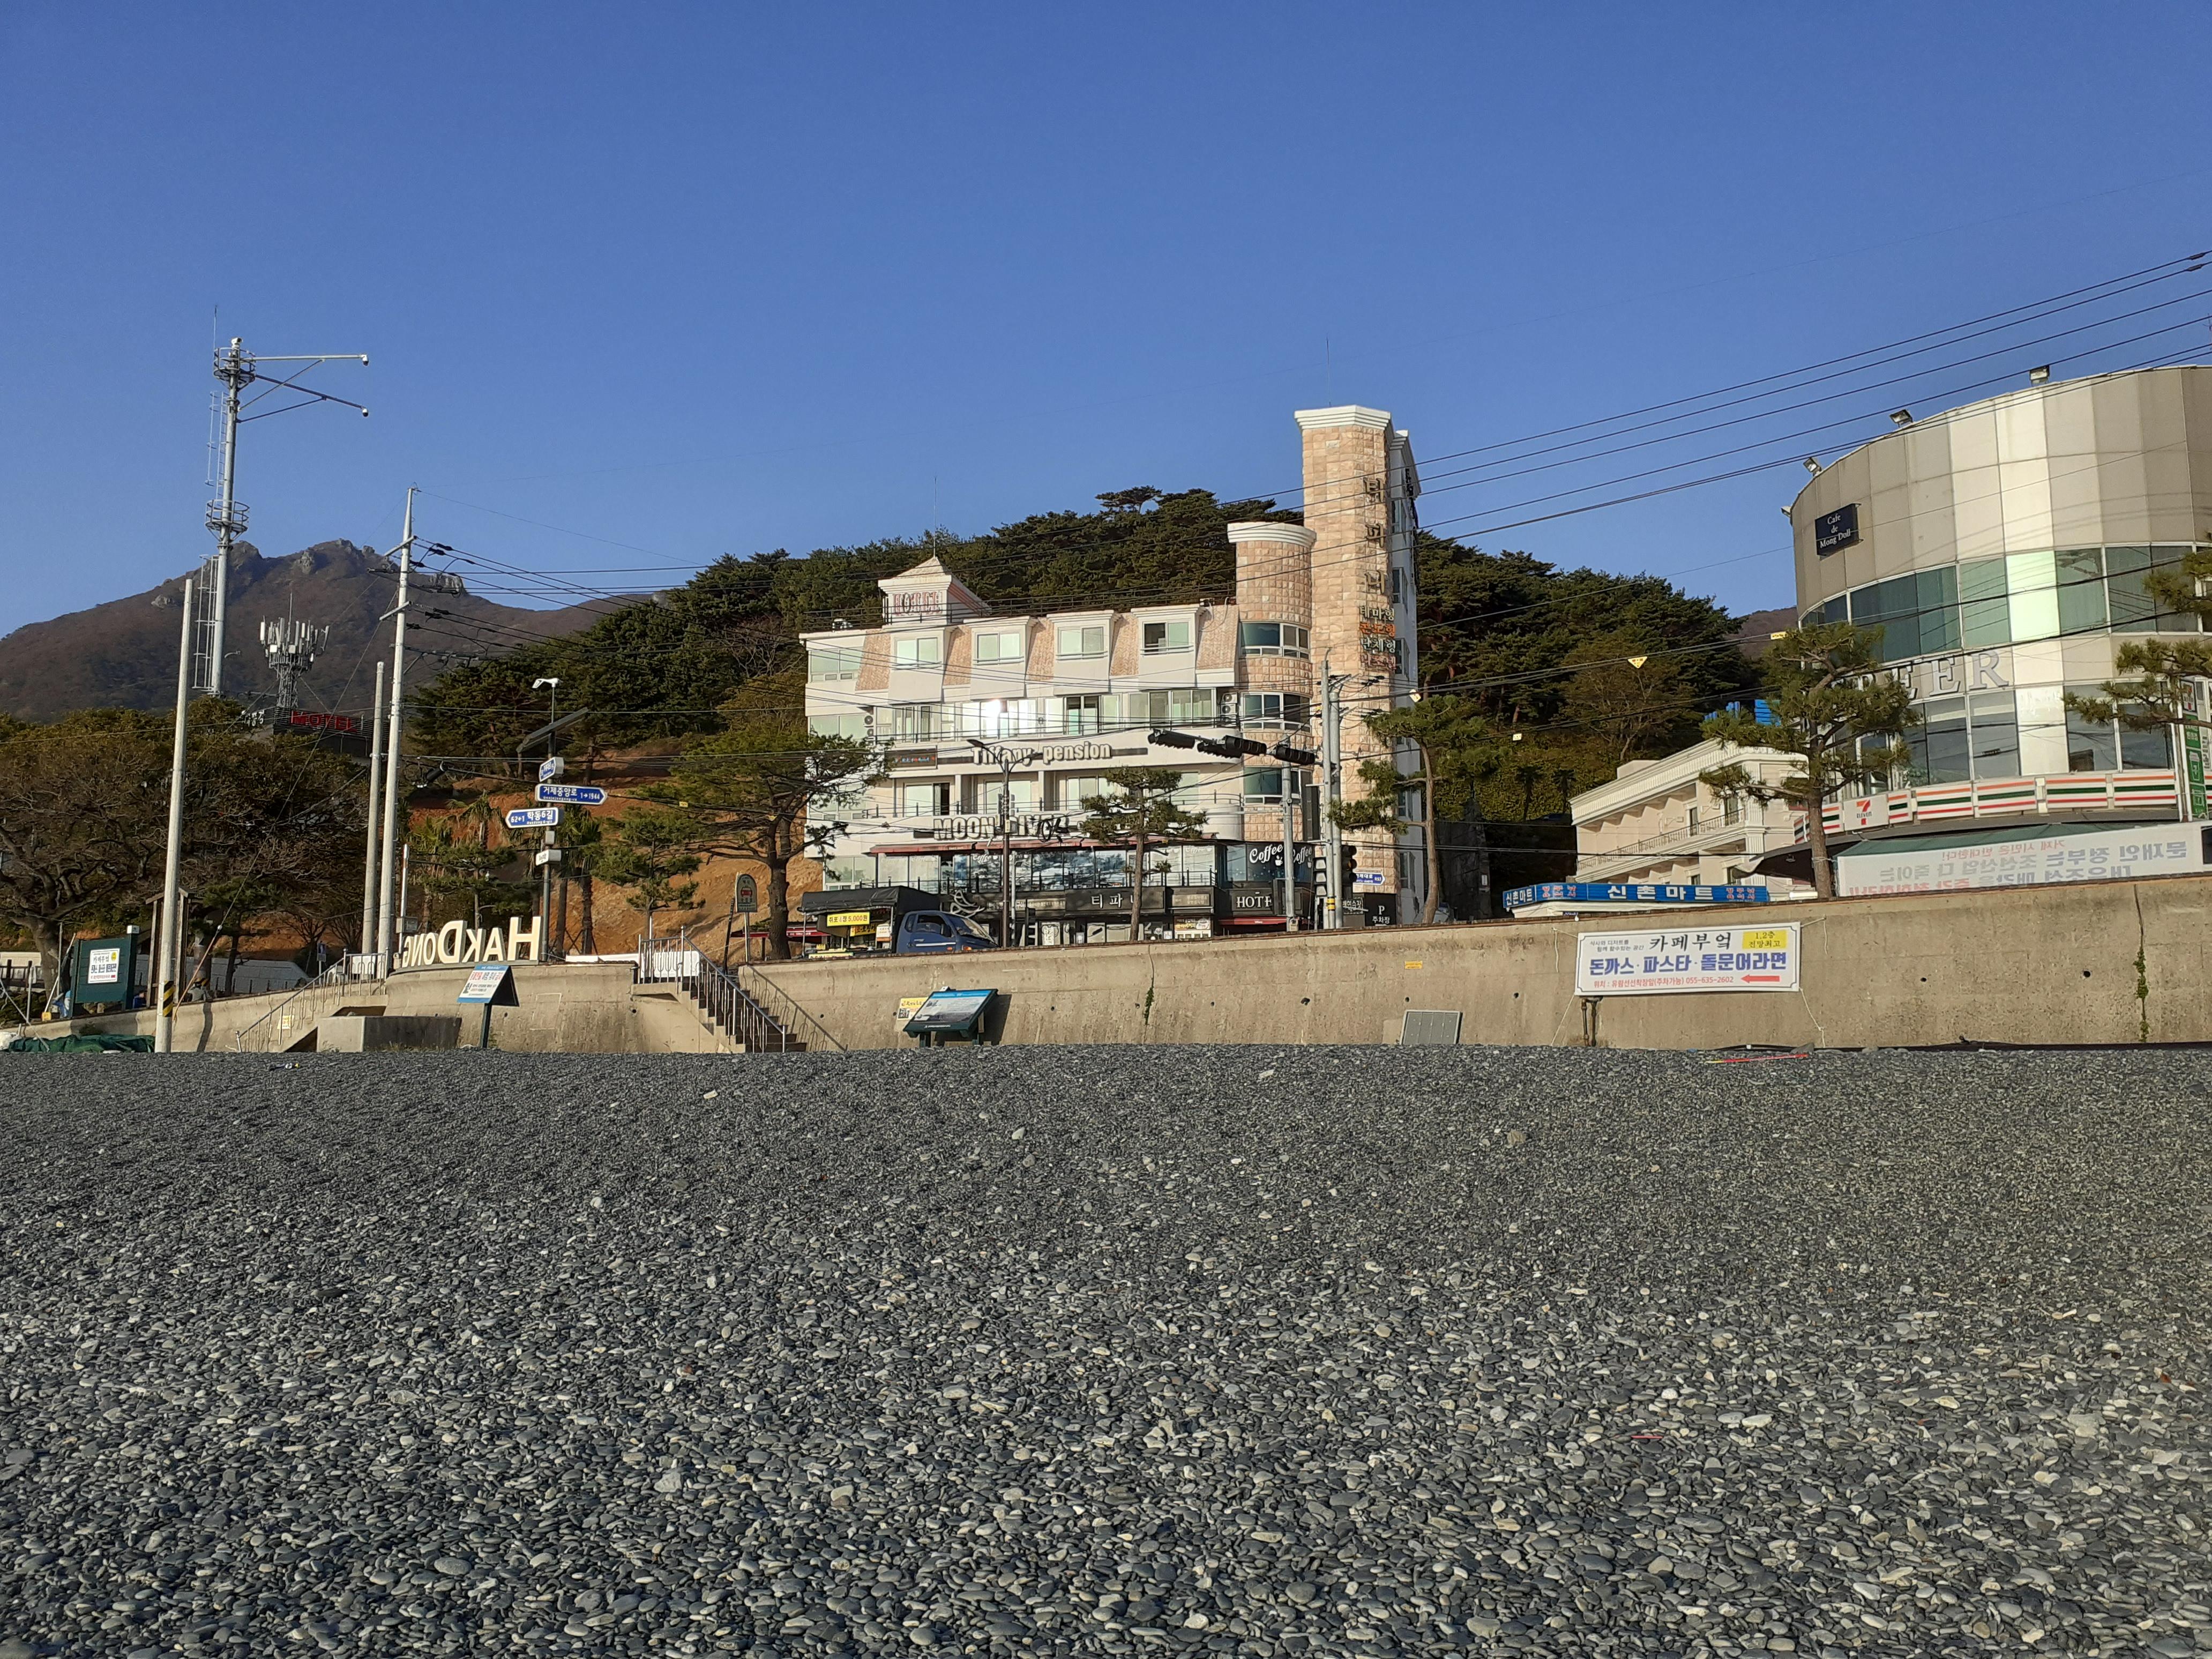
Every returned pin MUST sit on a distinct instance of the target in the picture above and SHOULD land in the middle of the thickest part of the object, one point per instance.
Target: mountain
(124, 653)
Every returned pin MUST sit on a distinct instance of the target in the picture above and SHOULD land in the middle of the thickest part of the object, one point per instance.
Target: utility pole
(1290, 854)
(1007, 760)
(1331, 756)
(386, 941)
(165, 952)
(373, 829)
(545, 879)
(238, 368)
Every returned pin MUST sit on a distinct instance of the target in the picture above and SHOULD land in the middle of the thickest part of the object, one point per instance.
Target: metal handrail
(333, 974)
(727, 1003)
(784, 998)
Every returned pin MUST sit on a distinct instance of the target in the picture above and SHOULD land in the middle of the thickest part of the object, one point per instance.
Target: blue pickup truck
(928, 933)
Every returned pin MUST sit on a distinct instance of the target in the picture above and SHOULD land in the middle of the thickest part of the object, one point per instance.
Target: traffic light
(1285, 751)
(1173, 739)
(1350, 869)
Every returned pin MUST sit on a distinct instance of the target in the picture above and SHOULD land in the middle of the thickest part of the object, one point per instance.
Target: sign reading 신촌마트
(1674, 960)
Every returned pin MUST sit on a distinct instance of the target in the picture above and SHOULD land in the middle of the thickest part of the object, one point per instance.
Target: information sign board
(576, 794)
(744, 898)
(1671, 959)
(103, 965)
(2150, 850)
(550, 767)
(950, 1013)
(487, 985)
(532, 818)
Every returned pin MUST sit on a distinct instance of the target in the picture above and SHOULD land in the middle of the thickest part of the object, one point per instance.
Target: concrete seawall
(2095, 963)
(2117, 963)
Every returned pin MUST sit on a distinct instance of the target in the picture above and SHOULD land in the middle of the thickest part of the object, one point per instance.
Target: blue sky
(698, 279)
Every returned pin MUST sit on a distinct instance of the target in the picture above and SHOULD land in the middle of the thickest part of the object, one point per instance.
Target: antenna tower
(292, 648)
(236, 369)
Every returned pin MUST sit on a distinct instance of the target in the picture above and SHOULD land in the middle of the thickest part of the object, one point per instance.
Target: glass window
(998, 647)
(924, 653)
(1892, 606)
(2080, 572)
(1021, 795)
(1264, 783)
(1173, 635)
(854, 727)
(1088, 640)
(1069, 791)
(922, 800)
(2031, 583)
(1081, 715)
(1985, 614)
(1939, 752)
(832, 662)
(923, 870)
(1275, 709)
(2134, 611)
(1996, 731)
(1937, 604)
(1267, 639)
(2091, 746)
(2143, 752)
(848, 871)
(1731, 809)
(915, 719)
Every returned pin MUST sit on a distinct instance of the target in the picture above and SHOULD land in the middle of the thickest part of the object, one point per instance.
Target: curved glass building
(2003, 550)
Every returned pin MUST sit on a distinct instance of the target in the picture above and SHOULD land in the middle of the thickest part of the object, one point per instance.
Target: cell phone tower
(292, 648)
(237, 369)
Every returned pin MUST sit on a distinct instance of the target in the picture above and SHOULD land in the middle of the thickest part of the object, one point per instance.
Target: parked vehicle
(926, 933)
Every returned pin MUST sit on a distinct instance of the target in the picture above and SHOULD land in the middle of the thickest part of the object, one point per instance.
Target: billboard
(2150, 849)
(1670, 959)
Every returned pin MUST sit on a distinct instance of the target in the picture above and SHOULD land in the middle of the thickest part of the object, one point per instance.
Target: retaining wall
(2105, 962)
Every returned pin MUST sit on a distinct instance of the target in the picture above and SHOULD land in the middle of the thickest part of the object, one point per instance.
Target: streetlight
(1007, 760)
(552, 727)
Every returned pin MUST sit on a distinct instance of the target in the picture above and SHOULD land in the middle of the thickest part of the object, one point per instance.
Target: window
(925, 652)
(1275, 709)
(832, 662)
(1993, 725)
(1731, 809)
(856, 726)
(1069, 792)
(2091, 746)
(2145, 751)
(1021, 795)
(848, 871)
(1693, 820)
(1939, 752)
(925, 870)
(921, 800)
(2134, 611)
(1162, 637)
(1264, 784)
(1984, 613)
(1086, 641)
(1181, 706)
(1267, 639)
(998, 647)
(1081, 715)
(914, 721)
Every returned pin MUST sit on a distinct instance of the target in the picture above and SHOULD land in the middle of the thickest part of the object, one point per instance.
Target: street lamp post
(1006, 761)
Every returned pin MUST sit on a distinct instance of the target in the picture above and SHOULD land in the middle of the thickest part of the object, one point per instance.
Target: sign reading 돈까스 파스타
(1674, 959)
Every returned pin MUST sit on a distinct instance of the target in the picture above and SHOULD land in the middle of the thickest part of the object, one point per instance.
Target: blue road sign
(532, 818)
(576, 795)
(550, 767)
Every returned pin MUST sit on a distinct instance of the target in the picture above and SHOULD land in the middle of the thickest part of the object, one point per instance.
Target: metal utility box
(105, 971)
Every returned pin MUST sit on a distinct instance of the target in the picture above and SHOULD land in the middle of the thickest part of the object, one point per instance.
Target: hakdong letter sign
(458, 944)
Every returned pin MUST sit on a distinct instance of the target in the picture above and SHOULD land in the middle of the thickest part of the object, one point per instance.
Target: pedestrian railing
(332, 981)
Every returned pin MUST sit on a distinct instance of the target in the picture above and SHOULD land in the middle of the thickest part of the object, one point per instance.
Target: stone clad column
(1275, 584)
(1347, 507)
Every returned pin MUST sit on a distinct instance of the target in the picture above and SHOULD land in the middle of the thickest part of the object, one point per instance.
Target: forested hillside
(1540, 650)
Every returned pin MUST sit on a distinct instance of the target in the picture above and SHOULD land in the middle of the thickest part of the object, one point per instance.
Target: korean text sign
(1649, 963)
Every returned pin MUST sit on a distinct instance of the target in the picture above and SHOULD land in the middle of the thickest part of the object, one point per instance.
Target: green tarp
(83, 1043)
